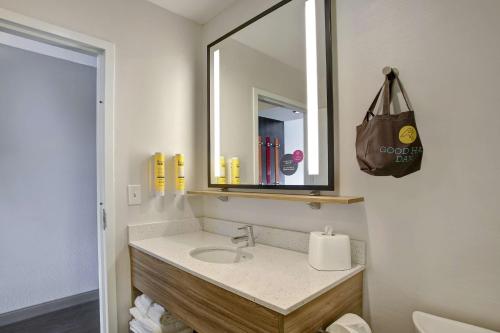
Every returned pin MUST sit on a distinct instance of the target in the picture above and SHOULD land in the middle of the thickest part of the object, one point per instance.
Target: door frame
(256, 94)
(105, 205)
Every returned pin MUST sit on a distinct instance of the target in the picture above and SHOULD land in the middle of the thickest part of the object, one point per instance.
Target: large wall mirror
(270, 100)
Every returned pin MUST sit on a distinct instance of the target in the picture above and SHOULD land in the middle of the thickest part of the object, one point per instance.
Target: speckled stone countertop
(275, 278)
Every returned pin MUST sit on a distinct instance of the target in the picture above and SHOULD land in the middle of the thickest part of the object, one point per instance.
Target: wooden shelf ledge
(313, 200)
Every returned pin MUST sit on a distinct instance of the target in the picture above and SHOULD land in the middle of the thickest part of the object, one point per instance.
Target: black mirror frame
(330, 106)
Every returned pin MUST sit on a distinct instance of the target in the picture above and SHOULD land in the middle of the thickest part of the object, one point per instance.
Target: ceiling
(280, 113)
(280, 35)
(200, 11)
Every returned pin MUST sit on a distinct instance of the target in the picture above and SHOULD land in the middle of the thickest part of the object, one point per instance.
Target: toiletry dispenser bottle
(235, 170)
(159, 174)
(180, 184)
(222, 165)
(329, 251)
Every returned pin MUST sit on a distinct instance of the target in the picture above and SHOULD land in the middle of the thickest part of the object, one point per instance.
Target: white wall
(236, 117)
(157, 68)
(48, 222)
(433, 237)
(294, 140)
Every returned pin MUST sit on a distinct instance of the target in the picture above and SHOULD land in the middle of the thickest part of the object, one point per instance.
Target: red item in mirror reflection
(268, 160)
(260, 160)
(276, 161)
(298, 156)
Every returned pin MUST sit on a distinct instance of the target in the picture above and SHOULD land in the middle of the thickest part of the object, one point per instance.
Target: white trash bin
(349, 323)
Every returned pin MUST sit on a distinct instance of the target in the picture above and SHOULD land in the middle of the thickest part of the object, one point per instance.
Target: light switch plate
(134, 195)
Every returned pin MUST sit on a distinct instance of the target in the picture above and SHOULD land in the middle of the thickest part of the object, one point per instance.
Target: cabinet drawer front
(202, 305)
(347, 297)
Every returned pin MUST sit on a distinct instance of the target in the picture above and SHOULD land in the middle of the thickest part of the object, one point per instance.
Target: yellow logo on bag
(407, 134)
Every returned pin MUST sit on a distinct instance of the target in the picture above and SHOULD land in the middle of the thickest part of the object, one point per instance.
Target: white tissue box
(329, 252)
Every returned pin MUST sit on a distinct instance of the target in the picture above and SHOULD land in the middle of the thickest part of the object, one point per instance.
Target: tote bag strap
(372, 106)
(387, 97)
(405, 95)
(370, 112)
(387, 94)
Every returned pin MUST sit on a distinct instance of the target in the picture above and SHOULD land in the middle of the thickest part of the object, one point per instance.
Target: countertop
(275, 278)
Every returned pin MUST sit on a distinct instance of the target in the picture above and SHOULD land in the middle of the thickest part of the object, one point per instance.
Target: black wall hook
(390, 72)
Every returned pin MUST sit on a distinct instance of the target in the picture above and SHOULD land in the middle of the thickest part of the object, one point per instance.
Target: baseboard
(47, 307)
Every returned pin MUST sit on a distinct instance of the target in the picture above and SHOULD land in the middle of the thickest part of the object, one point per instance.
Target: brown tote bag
(389, 144)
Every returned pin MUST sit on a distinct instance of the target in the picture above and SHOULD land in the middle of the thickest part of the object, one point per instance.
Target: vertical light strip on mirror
(312, 89)
(216, 114)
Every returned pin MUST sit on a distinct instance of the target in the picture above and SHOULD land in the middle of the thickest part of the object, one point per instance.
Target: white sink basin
(220, 255)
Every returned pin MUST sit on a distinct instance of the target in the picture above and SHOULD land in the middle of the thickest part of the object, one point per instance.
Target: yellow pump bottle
(159, 174)
(180, 184)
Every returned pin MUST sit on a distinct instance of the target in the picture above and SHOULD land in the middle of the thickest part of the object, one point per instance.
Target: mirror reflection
(268, 105)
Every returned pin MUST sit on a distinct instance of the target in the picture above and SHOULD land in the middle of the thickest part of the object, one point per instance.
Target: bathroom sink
(220, 255)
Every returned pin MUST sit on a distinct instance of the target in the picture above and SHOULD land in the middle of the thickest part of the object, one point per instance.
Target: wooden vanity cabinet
(208, 308)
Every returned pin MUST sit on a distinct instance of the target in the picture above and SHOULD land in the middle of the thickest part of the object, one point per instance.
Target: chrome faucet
(248, 237)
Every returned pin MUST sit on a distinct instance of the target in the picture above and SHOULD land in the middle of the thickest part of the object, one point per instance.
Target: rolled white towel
(155, 312)
(143, 302)
(146, 323)
(134, 312)
(136, 327)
